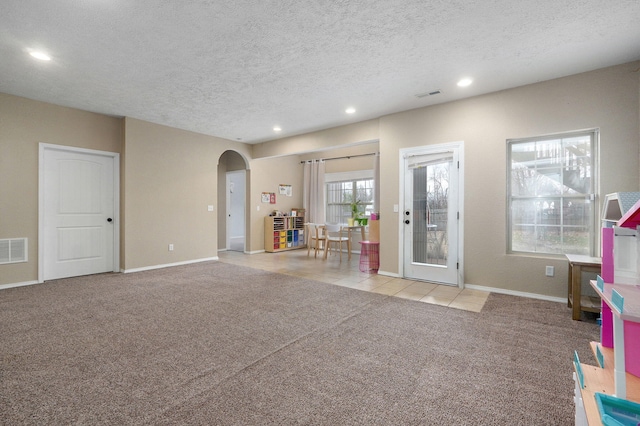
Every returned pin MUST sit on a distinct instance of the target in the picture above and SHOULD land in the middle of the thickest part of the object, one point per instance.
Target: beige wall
(23, 125)
(292, 166)
(351, 134)
(606, 99)
(352, 158)
(266, 175)
(168, 178)
(171, 176)
(355, 157)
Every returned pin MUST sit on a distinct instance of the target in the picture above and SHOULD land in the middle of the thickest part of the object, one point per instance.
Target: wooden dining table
(350, 229)
(345, 227)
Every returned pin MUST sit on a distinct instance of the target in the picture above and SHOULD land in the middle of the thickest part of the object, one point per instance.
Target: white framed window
(344, 188)
(551, 196)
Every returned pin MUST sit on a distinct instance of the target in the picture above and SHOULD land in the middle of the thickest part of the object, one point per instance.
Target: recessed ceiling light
(40, 55)
(465, 82)
(350, 110)
(277, 129)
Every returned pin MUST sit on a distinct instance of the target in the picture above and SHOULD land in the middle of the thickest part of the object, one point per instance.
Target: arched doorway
(232, 199)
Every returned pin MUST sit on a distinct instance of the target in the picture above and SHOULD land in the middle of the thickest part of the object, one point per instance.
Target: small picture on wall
(272, 199)
(285, 190)
(266, 197)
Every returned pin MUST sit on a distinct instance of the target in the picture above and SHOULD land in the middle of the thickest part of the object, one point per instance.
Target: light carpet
(219, 344)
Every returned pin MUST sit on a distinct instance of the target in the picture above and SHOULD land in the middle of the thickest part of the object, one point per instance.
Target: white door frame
(41, 196)
(432, 149)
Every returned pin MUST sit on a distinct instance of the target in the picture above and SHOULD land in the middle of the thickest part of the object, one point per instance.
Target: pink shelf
(631, 322)
(631, 294)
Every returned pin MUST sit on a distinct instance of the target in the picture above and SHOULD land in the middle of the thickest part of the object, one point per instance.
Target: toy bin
(369, 256)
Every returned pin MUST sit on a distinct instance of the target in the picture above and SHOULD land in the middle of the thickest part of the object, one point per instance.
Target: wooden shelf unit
(576, 300)
(284, 233)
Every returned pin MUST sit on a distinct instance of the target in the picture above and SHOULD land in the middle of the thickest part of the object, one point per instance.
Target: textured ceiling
(234, 69)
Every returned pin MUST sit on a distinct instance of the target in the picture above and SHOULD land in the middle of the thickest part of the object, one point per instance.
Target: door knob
(406, 221)
(109, 219)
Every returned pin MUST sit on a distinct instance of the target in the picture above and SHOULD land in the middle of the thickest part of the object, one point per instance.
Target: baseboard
(245, 252)
(22, 284)
(389, 274)
(517, 293)
(496, 290)
(169, 265)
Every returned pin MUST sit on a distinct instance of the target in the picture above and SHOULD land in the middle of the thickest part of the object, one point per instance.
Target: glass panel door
(430, 217)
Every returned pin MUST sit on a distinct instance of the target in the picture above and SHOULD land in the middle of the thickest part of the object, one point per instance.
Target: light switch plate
(210, 208)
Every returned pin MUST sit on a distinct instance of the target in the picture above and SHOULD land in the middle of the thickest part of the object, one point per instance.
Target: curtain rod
(346, 156)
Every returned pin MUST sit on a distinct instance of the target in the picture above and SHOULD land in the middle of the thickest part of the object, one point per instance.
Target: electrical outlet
(170, 247)
(549, 271)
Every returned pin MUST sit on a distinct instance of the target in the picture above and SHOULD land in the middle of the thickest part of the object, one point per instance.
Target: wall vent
(424, 95)
(13, 250)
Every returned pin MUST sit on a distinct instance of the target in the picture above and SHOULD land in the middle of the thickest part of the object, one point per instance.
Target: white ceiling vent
(424, 95)
(13, 250)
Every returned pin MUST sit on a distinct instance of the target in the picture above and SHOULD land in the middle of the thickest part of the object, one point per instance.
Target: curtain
(376, 183)
(313, 195)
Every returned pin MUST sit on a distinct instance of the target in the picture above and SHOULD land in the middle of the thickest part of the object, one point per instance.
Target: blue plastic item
(617, 300)
(579, 372)
(617, 411)
(599, 356)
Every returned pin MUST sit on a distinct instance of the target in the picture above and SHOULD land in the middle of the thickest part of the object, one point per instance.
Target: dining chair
(315, 238)
(334, 235)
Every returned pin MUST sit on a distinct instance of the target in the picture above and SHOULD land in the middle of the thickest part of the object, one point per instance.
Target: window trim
(344, 176)
(594, 249)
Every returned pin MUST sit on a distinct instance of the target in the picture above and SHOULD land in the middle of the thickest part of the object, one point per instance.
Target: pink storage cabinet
(620, 253)
(624, 301)
(620, 290)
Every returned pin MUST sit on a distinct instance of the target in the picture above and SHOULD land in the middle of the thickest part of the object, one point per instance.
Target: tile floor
(347, 274)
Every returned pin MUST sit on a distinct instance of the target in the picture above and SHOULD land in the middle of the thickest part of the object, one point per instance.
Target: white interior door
(236, 210)
(78, 212)
(430, 218)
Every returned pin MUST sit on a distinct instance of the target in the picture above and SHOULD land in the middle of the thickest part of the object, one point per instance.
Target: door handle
(109, 219)
(407, 221)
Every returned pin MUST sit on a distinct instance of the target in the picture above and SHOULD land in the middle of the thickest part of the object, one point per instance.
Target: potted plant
(356, 214)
